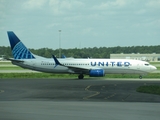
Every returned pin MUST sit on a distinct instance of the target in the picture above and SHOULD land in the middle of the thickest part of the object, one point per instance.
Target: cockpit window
(146, 64)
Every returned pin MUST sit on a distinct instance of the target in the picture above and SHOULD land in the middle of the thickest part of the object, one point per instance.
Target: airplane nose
(153, 68)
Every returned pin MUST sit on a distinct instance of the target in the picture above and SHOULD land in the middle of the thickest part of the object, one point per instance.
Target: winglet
(56, 61)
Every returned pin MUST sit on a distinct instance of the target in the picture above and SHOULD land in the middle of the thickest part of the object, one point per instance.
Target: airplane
(64, 57)
(24, 58)
(2, 58)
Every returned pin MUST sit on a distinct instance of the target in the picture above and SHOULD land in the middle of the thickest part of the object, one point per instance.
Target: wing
(73, 69)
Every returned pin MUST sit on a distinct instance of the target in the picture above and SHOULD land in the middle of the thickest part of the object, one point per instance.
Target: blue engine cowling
(96, 73)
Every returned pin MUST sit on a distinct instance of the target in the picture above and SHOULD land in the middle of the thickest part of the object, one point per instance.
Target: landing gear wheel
(140, 77)
(80, 76)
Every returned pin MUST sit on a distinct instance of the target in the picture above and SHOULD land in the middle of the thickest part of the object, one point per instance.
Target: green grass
(150, 75)
(35, 75)
(11, 68)
(49, 75)
(158, 68)
(152, 63)
(151, 89)
(5, 63)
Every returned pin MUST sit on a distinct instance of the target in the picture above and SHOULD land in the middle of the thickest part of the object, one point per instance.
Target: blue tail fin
(19, 50)
(63, 56)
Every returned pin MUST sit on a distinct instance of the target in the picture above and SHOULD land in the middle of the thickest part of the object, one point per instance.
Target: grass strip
(152, 63)
(35, 75)
(158, 68)
(5, 63)
(150, 75)
(50, 75)
(11, 68)
(151, 89)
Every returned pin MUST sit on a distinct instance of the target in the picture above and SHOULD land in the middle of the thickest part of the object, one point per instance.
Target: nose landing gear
(81, 76)
(140, 77)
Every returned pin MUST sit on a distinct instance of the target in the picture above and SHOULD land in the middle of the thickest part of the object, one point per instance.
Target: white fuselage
(122, 66)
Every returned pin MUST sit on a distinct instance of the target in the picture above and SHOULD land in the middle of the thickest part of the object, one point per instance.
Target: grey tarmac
(71, 99)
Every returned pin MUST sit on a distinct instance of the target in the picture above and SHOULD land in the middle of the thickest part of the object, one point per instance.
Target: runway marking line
(1, 91)
(87, 89)
(103, 87)
(110, 96)
(126, 97)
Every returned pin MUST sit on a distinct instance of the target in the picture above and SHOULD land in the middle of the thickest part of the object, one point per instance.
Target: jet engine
(96, 73)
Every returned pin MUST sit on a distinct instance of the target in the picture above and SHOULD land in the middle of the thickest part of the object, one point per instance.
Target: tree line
(95, 52)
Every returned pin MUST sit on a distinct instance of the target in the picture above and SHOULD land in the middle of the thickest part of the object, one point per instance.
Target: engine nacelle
(96, 73)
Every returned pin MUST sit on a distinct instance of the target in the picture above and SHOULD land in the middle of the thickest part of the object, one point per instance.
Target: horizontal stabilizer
(15, 60)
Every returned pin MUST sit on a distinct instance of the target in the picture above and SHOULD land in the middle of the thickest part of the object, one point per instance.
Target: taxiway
(77, 99)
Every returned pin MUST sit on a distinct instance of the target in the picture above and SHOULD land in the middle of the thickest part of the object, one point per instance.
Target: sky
(83, 23)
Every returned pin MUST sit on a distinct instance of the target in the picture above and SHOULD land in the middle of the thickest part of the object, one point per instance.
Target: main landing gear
(140, 77)
(81, 76)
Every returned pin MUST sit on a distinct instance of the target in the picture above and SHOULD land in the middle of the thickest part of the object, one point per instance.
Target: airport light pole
(59, 43)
